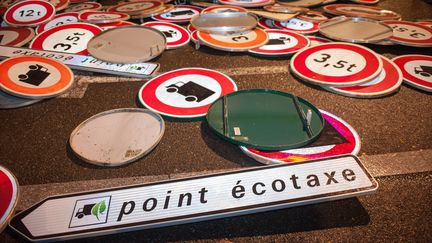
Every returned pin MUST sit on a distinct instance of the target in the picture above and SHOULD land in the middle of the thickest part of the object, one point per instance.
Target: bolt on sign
(193, 199)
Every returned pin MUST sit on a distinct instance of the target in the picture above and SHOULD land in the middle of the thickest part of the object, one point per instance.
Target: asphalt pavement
(34, 146)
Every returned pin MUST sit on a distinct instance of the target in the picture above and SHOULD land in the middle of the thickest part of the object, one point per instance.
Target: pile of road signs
(28, 79)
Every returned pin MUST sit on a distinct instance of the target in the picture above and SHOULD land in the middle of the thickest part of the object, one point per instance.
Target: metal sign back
(85, 63)
(225, 22)
(193, 199)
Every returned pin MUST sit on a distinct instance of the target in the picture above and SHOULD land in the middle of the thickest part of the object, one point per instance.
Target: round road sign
(410, 33)
(315, 40)
(70, 38)
(59, 19)
(127, 44)
(29, 13)
(180, 14)
(34, 77)
(337, 138)
(101, 17)
(336, 64)
(11, 36)
(176, 36)
(386, 83)
(235, 42)
(281, 43)
(86, 6)
(117, 137)
(298, 25)
(416, 70)
(265, 119)
(185, 93)
(9, 196)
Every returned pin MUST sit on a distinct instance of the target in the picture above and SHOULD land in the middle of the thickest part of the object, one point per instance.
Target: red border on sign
(302, 40)
(402, 60)
(9, 13)
(160, 18)
(41, 28)
(24, 35)
(391, 81)
(404, 40)
(37, 42)
(372, 67)
(185, 36)
(155, 5)
(352, 147)
(65, 81)
(147, 93)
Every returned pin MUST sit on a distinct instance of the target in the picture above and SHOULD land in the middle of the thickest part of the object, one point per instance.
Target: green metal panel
(265, 119)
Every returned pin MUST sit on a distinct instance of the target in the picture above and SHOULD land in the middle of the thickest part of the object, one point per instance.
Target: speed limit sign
(70, 38)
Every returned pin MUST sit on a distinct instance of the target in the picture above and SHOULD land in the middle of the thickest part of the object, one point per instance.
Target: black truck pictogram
(279, 41)
(425, 71)
(86, 210)
(169, 33)
(192, 91)
(180, 13)
(35, 76)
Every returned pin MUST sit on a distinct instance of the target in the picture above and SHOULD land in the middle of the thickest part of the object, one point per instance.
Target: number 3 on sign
(70, 40)
(336, 62)
(339, 64)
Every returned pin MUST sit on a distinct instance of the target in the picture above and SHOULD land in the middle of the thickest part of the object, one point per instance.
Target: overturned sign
(85, 63)
(193, 199)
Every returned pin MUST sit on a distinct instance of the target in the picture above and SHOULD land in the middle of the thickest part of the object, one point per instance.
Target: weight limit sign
(185, 93)
(336, 64)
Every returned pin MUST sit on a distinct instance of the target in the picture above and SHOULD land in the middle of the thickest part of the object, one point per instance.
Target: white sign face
(421, 69)
(73, 40)
(59, 21)
(194, 199)
(18, 75)
(29, 12)
(410, 32)
(297, 24)
(165, 95)
(336, 62)
(86, 63)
